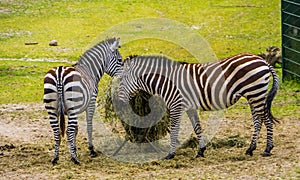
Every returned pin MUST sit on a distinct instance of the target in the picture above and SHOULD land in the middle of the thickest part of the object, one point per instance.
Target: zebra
(272, 56)
(188, 87)
(70, 90)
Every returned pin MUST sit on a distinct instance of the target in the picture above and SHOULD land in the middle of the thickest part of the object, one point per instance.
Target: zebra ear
(115, 45)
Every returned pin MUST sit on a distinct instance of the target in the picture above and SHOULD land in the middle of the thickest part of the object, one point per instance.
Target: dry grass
(32, 150)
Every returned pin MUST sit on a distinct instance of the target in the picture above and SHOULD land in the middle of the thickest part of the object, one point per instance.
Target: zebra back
(209, 86)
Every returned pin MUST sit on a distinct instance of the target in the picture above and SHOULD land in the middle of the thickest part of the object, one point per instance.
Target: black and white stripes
(213, 86)
(72, 90)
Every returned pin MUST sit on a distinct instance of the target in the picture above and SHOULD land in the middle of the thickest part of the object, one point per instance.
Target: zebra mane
(106, 42)
(183, 62)
(164, 58)
(135, 59)
(128, 58)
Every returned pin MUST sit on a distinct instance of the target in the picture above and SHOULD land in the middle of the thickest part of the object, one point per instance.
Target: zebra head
(114, 63)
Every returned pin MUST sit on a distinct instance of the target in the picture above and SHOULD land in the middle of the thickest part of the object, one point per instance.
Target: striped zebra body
(213, 86)
(73, 90)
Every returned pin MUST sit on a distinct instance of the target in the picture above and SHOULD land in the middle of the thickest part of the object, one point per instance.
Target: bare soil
(26, 149)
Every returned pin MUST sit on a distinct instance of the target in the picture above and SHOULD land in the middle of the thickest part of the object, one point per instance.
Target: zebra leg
(257, 126)
(89, 119)
(193, 115)
(269, 125)
(72, 130)
(56, 130)
(56, 147)
(175, 116)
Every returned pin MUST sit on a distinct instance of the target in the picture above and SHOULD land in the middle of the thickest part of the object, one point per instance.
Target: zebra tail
(61, 111)
(272, 94)
(62, 125)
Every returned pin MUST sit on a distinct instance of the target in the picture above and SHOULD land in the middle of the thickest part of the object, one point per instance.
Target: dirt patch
(23, 122)
(26, 149)
(4, 11)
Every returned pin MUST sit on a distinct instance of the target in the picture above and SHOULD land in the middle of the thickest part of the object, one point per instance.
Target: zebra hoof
(266, 154)
(248, 152)
(92, 151)
(75, 161)
(169, 156)
(201, 152)
(93, 154)
(200, 155)
(54, 161)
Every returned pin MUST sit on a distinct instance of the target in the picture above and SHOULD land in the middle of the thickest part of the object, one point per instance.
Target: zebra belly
(224, 105)
(219, 101)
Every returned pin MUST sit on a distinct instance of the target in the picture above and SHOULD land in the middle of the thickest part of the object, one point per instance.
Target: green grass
(229, 27)
(23, 81)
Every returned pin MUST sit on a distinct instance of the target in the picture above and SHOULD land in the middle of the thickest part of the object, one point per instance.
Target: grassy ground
(28, 75)
(230, 27)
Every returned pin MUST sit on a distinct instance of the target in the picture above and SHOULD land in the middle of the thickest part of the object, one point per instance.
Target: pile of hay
(140, 106)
